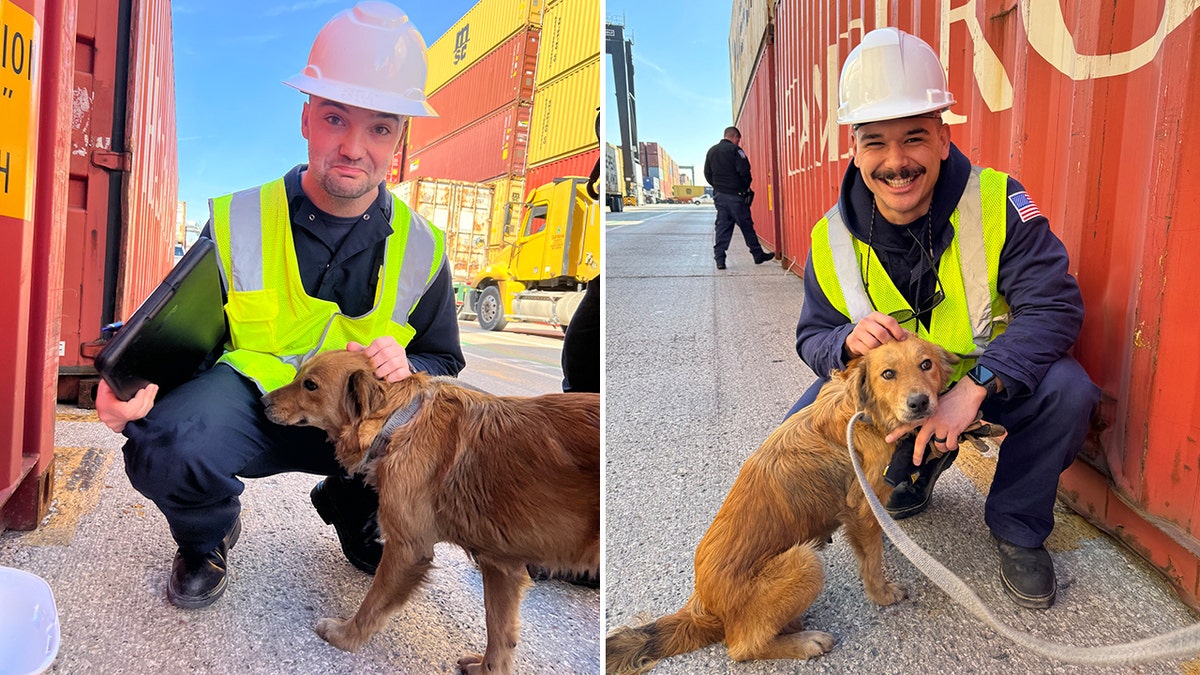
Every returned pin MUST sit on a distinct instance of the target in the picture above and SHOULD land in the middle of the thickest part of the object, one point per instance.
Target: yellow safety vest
(972, 314)
(274, 324)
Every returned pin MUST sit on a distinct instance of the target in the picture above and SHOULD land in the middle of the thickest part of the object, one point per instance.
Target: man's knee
(1069, 391)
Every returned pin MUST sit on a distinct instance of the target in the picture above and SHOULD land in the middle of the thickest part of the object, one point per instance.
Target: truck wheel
(491, 309)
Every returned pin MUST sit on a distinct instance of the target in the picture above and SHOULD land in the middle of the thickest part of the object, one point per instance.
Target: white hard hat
(369, 57)
(891, 75)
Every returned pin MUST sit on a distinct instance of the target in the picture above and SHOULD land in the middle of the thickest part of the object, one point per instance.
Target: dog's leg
(866, 539)
(503, 588)
(401, 569)
(764, 625)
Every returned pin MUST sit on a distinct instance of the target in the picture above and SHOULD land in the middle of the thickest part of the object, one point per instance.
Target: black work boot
(339, 501)
(1027, 574)
(198, 580)
(762, 257)
(720, 263)
(911, 498)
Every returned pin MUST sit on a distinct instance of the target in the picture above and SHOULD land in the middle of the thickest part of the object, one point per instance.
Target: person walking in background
(727, 170)
(322, 258)
(921, 241)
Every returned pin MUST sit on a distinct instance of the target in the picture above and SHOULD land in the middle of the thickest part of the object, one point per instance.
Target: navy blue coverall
(727, 170)
(1048, 398)
(189, 454)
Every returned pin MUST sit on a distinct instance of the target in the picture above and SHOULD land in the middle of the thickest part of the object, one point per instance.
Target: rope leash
(1182, 642)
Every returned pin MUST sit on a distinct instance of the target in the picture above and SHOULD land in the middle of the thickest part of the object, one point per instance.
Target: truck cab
(549, 255)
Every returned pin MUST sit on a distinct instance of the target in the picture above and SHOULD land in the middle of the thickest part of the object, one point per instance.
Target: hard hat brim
(361, 97)
(890, 111)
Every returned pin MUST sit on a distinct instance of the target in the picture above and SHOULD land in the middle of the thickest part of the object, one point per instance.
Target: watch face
(982, 375)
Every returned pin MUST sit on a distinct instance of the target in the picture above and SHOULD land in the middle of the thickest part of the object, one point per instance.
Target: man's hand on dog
(957, 410)
(872, 331)
(387, 356)
(116, 413)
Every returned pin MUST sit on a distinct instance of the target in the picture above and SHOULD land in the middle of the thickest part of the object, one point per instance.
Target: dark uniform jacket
(1046, 308)
(339, 261)
(727, 169)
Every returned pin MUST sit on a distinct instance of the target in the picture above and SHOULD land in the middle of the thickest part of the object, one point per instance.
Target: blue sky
(238, 125)
(681, 72)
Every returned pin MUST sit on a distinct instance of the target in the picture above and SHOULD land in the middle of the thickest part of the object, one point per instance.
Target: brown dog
(756, 567)
(513, 480)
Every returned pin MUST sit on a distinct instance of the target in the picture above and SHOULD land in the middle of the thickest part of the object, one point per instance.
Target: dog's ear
(855, 376)
(364, 394)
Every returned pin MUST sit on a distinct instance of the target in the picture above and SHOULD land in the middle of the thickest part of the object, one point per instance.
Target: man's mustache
(903, 174)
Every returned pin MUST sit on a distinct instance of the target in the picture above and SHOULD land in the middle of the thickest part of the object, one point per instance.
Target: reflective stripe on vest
(972, 313)
(274, 324)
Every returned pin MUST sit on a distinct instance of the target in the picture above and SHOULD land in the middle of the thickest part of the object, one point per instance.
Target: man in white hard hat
(922, 241)
(322, 258)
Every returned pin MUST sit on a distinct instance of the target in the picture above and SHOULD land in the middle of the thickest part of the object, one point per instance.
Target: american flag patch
(1024, 206)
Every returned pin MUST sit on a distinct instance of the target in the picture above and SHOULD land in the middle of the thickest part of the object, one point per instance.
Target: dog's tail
(629, 651)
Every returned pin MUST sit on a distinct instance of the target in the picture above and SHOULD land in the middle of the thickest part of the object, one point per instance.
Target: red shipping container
(499, 80)
(757, 124)
(493, 147)
(575, 165)
(1092, 106)
(123, 177)
(20, 166)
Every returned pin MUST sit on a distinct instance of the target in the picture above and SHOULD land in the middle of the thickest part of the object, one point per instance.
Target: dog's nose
(918, 403)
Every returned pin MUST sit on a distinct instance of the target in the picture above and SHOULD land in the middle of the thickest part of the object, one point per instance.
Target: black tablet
(171, 333)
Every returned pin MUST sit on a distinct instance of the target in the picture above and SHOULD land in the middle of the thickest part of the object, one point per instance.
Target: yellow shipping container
(483, 28)
(464, 211)
(570, 36)
(563, 120)
(509, 194)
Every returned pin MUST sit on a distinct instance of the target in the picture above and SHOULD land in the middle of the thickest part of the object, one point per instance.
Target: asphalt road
(106, 553)
(700, 367)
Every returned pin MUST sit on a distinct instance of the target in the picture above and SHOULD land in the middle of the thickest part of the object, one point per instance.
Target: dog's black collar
(399, 417)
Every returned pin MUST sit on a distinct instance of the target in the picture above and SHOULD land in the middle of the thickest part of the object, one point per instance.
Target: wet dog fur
(513, 480)
(756, 568)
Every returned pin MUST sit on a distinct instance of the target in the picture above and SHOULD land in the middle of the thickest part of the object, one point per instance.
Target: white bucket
(28, 623)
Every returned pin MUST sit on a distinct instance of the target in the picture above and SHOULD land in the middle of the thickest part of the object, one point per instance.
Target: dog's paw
(334, 631)
(891, 593)
(471, 664)
(815, 643)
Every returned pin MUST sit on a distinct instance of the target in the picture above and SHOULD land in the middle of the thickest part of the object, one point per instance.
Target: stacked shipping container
(659, 170)
(562, 129)
(480, 82)
(1120, 81)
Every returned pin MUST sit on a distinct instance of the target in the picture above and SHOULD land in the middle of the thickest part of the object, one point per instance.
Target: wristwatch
(984, 377)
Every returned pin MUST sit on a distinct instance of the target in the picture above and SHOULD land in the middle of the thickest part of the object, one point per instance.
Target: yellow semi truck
(550, 251)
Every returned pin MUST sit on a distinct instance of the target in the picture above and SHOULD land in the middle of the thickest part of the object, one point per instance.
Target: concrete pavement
(106, 553)
(700, 367)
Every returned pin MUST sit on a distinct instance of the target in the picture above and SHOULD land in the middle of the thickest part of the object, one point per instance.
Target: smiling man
(322, 258)
(922, 241)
